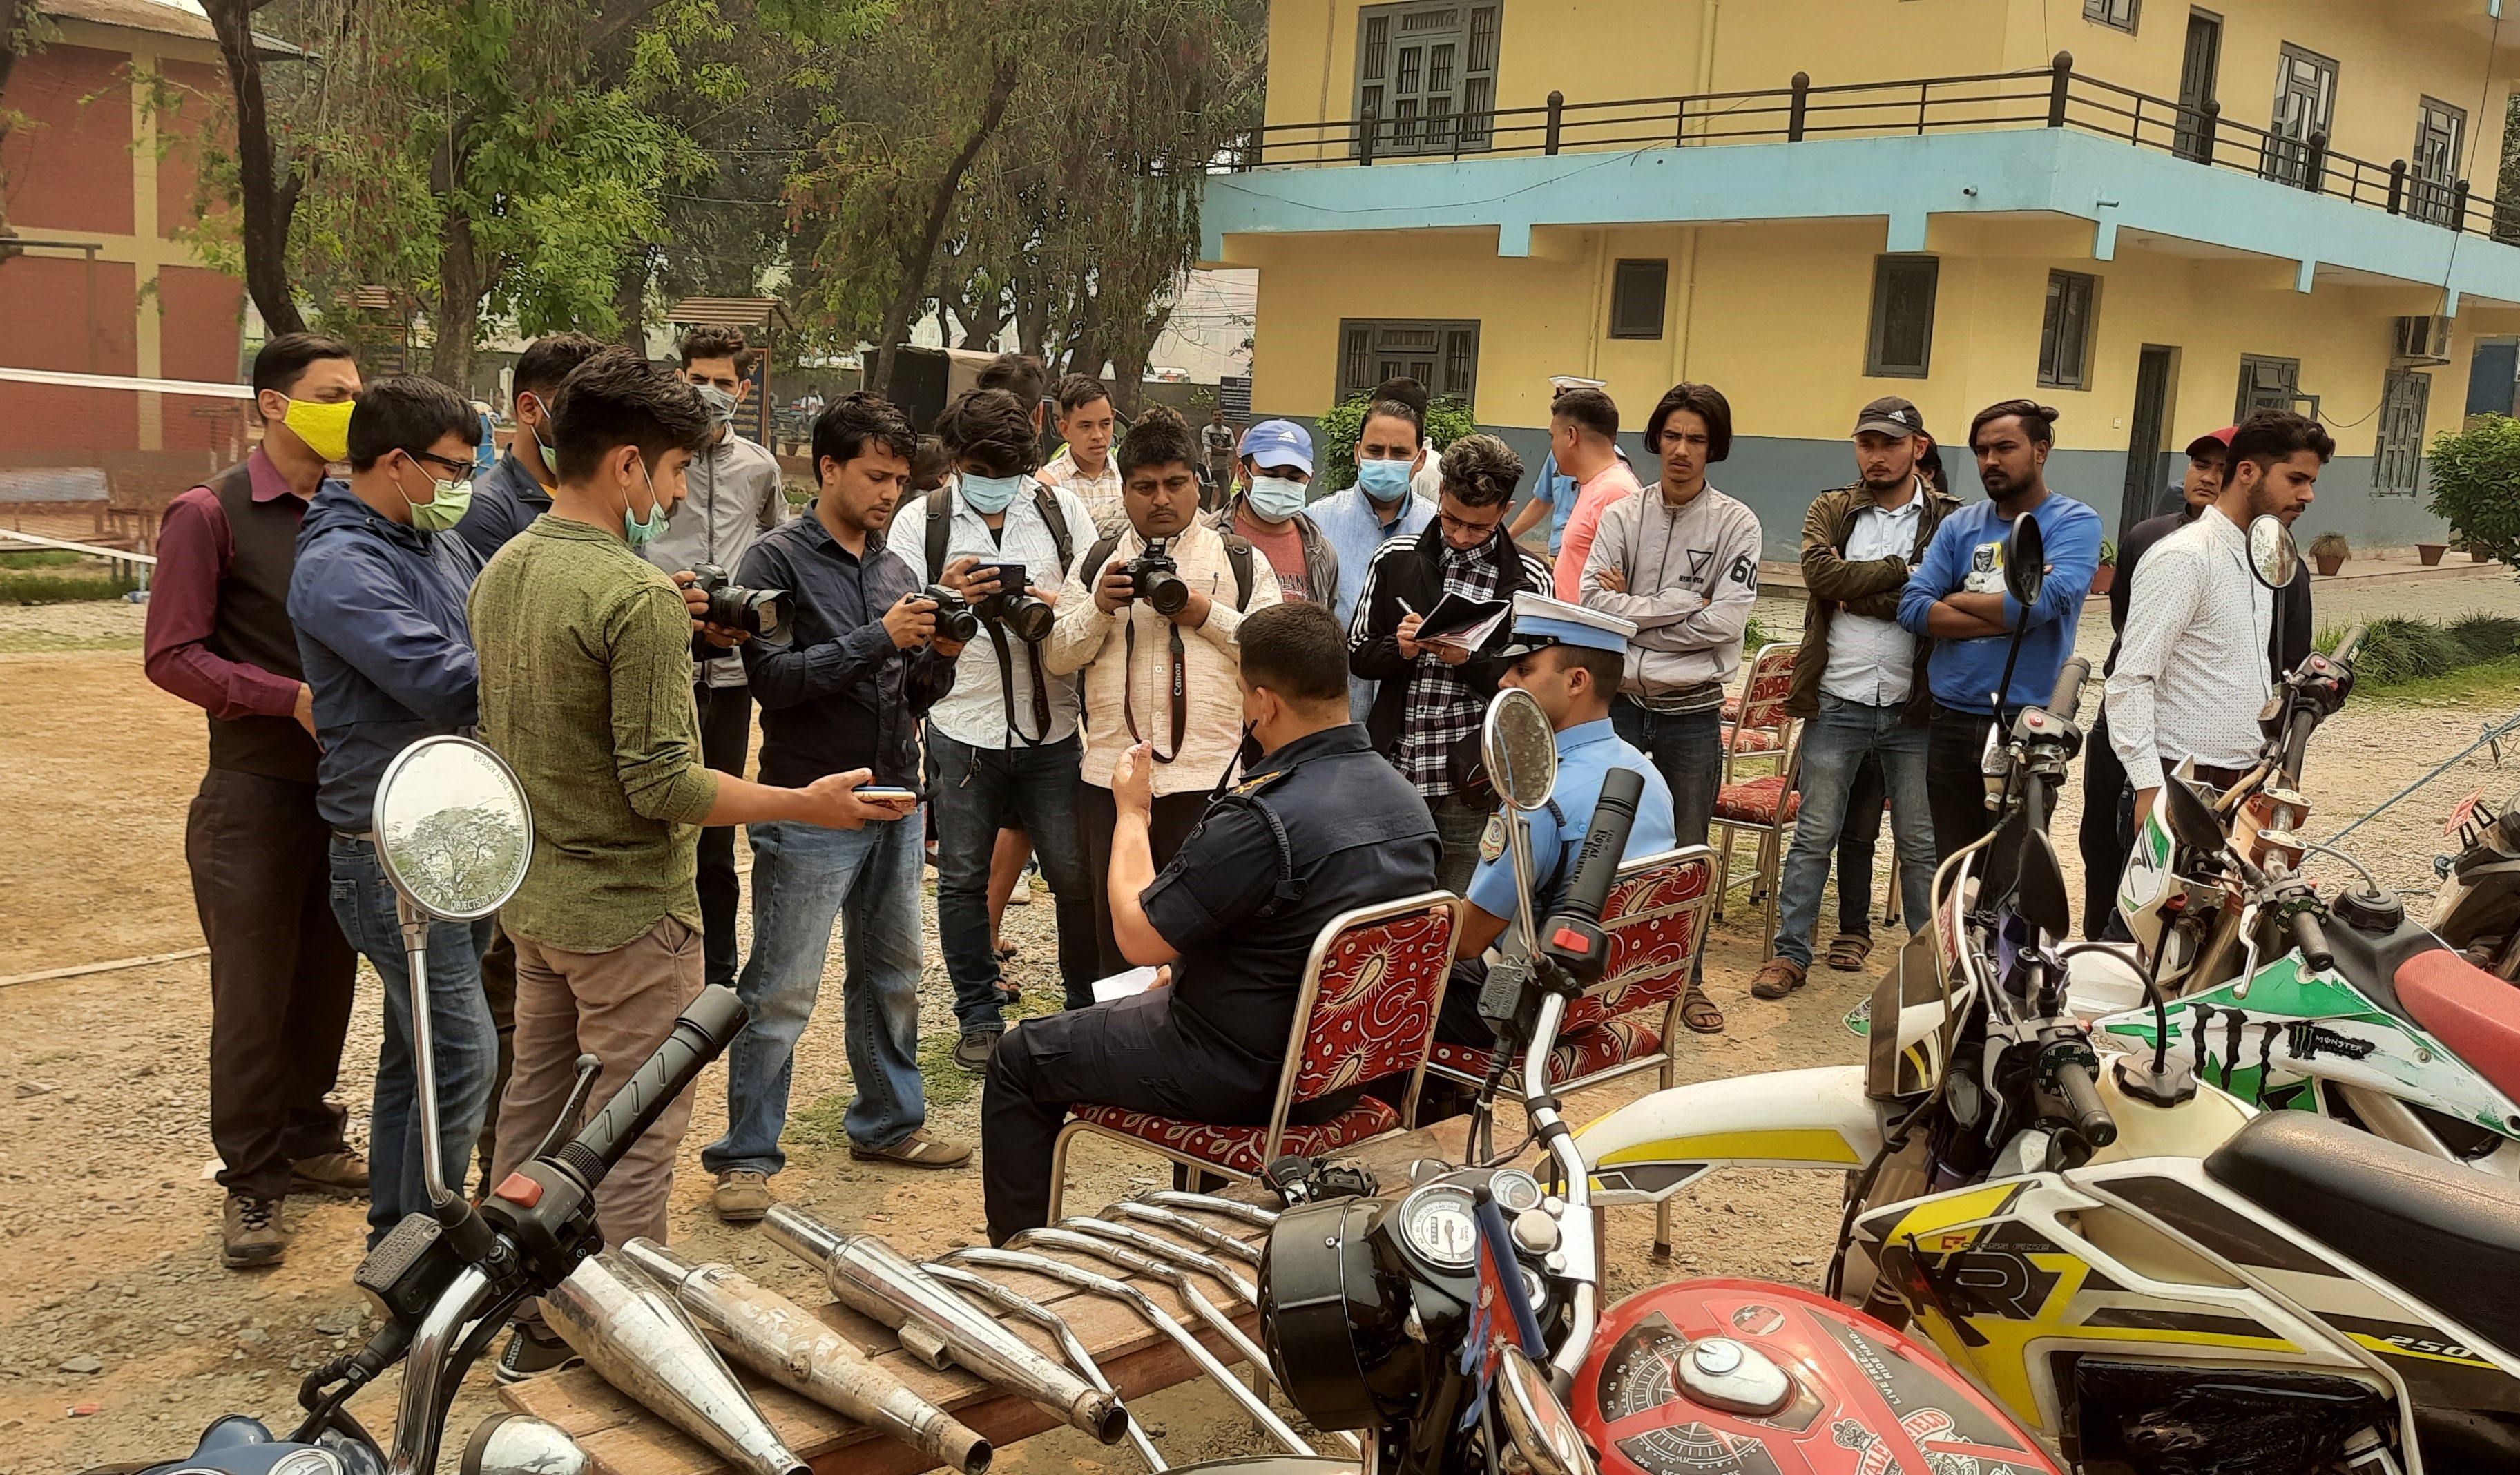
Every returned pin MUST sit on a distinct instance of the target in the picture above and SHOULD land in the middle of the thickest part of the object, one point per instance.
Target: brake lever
(588, 1068)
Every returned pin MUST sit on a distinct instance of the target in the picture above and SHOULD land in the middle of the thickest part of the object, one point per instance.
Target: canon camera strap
(1180, 690)
(999, 636)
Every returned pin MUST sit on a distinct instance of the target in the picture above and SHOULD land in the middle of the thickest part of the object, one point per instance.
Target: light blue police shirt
(1586, 755)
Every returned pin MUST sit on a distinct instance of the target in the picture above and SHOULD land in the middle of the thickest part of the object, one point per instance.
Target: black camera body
(767, 615)
(1014, 605)
(1155, 578)
(955, 620)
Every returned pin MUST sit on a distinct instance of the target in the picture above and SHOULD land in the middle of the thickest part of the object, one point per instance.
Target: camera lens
(1027, 618)
(955, 620)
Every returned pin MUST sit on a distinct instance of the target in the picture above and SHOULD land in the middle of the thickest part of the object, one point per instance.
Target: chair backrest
(1371, 993)
(1656, 920)
(1764, 692)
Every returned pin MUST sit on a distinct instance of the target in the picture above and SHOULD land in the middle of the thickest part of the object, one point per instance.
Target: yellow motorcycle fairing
(1657, 1144)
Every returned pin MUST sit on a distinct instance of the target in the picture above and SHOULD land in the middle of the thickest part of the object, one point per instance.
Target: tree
(2476, 486)
(266, 188)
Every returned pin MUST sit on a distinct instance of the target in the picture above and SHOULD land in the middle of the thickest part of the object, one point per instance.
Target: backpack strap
(1046, 499)
(1092, 569)
(940, 527)
(1237, 553)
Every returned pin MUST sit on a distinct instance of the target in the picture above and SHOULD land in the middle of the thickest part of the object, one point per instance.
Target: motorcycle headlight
(1327, 1314)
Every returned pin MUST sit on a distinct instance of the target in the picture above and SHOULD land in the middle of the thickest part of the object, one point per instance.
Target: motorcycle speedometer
(1514, 1191)
(1436, 1222)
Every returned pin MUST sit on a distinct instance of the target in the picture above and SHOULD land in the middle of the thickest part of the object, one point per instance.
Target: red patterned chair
(1763, 805)
(1367, 1012)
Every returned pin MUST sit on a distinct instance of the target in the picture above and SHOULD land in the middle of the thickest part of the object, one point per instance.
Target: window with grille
(2118, 15)
(2065, 337)
(1426, 77)
(1444, 356)
(2305, 105)
(2268, 384)
(2432, 173)
(1902, 341)
(1637, 292)
(2398, 469)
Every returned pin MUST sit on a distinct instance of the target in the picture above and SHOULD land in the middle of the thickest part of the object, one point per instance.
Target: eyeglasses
(459, 467)
(1466, 527)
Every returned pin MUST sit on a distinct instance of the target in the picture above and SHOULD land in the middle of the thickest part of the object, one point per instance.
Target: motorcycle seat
(2467, 1009)
(2435, 1229)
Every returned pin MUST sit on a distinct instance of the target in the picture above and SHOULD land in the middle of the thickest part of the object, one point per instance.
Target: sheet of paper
(1468, 621)
(1123, 985)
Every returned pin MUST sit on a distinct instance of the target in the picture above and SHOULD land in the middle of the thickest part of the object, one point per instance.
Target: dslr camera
(955, 620)
(1028, 619)
(767, 615)
(1155, 578)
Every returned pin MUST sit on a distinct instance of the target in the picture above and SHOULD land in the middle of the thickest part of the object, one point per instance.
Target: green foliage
(2108, 553)
(41, 557)
(1335, 432)
(2476, 486)
(2397, 651)
(47, 588)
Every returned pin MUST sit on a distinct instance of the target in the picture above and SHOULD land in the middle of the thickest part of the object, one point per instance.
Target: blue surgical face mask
(638, 532)
(990, 494)
(1275, 498)
(1383, 480)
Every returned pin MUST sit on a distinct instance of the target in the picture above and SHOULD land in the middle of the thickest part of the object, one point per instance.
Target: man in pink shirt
(1583, 436)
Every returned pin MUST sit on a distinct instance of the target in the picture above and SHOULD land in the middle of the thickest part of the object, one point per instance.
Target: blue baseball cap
(1278, 442)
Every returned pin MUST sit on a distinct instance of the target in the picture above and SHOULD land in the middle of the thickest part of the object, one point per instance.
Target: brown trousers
(617, 1006)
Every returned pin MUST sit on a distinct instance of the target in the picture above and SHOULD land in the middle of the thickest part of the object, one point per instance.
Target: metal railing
(2056, 96)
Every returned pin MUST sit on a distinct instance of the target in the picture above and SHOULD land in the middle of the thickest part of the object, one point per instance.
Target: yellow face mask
(325, 428)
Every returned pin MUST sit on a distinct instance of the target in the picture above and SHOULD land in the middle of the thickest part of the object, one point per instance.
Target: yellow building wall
(1605, 50)
(1777, 316)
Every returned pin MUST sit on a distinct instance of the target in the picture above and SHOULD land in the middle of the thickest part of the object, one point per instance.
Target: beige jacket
(1087, 639)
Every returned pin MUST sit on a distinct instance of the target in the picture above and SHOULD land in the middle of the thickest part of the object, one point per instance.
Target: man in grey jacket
(735, 497)
(1680, 561)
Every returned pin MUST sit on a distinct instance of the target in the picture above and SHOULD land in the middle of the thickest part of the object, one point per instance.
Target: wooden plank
(623, 1437)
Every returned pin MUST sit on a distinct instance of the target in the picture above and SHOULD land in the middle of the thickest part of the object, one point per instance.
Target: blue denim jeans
(975, 792)
(1834, 745)
(1687, 750)
(462, 1041)
(805, 877)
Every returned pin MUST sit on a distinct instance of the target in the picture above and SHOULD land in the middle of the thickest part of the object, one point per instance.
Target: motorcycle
(2134, 1263)
(1459, 1326)
(2477, 909)
(455, 833)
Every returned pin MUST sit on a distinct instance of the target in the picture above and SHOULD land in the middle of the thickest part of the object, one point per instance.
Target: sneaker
(530, 1355)
(742, 1196)
(343, 1173)
(1778, 977)
(920, 1149)
(973, 1049)
(250, 1233)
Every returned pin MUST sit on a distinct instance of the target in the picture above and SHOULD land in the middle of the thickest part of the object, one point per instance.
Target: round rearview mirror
(453, 829)
(2025, 560)
(1520, 748)
(1543, 1436)
(2272, 558)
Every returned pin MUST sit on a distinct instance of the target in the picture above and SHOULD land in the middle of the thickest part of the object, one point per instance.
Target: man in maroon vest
(219, 637)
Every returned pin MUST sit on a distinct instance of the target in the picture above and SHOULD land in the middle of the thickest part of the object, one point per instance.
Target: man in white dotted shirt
(2192, 665)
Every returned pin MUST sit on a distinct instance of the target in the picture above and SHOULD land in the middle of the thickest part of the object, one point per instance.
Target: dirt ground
(121, 1336)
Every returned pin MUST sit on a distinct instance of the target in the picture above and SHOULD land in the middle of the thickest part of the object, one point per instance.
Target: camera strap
(1180, 690)
(999, 636)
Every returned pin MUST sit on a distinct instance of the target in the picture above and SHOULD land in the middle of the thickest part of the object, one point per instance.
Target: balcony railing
(2052, 97)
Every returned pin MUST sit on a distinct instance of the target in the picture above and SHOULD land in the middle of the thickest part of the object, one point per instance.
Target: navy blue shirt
(383, 638)
(842, 695)
(505, 498)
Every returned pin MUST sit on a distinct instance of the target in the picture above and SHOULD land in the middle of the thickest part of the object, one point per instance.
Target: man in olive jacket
(1859, 680)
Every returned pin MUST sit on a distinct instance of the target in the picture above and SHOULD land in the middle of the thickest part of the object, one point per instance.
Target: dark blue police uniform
(1323, 825)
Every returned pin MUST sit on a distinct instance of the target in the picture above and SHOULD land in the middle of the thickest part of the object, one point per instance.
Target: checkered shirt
(1442, 708)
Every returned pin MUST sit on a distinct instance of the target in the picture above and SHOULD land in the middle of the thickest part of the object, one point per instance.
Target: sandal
(1778, 977)
(1848, 950)
(1699, 1013)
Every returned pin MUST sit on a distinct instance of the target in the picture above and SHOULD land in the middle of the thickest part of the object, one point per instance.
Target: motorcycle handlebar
(2345, 649)
(2091, 1119)
(1605, 841)
(2067, 699)
(699, 1035)
(2312, 936)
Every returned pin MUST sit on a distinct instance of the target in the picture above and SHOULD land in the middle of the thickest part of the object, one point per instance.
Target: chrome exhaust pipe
(1181, 1223)
(788, 1345)
(873, 1277)
(1164, 1270)
(1078, 1355)
(1255, 1215)
(1164, 1249)
(633, 1331)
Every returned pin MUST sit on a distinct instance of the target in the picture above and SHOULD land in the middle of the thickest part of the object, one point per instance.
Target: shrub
(1335, 432)
(2397, 650)
(2476, 486)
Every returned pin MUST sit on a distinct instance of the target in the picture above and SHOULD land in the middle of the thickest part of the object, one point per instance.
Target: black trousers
(1127, 1053)
(280, 975)
(1175, 817)
(2105, 836)
(726, 741)
(1954, 787)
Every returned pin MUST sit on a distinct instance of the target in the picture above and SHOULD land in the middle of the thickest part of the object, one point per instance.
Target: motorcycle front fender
(1653, 1147)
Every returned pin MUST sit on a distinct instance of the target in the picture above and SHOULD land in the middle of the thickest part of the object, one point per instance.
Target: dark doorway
(2143, 481)
(2196, 77)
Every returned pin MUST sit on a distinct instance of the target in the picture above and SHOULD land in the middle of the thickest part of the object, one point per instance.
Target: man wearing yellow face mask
(378, 599)
(219, 637)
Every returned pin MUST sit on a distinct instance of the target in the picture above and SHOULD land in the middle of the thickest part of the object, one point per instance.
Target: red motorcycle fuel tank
(1740, 1378)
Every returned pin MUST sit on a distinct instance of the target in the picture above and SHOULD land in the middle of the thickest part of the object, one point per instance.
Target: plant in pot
(2107, 574)
(2475, 476)
(2431, 552)
(2329, 550)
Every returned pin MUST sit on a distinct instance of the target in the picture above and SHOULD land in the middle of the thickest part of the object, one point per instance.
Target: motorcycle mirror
(2192, 818)
(1535, 1422)
(2025, 560)
(1520, 748)
(453, 829)
(2039, 896)
(2273, 555)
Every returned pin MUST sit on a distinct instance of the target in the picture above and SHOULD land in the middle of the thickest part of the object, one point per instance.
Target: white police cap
(1538, 620)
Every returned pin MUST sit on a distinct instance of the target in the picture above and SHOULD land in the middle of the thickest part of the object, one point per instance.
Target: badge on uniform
(1492, 838)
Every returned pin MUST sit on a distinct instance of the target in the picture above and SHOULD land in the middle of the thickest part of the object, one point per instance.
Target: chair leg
(1058, 1166)
(1723, 864)
(1671, 1028)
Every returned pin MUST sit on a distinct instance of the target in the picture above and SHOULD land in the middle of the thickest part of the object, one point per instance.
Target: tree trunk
(267, 203)
(914, 274)
(459, 302)
(630, 295)
(1130, 351)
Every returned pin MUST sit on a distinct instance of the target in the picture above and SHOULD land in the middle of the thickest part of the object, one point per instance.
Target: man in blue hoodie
(378, 599)
(1956, 596)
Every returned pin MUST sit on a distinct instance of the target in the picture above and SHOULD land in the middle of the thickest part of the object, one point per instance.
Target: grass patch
(41, 557)
(61, 589)
(2494, 683)
(823, 1123)
(2397, 652)
(49, 642)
